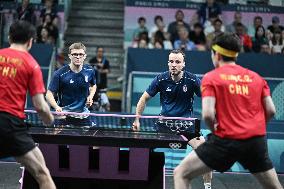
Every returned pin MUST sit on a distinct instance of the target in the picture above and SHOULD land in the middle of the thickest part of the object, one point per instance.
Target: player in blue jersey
(177, 88)
(74, 85)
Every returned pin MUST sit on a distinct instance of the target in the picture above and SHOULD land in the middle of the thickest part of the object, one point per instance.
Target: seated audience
(161, 41)
(159, 25)
(143, 41)
(53, 30)
(237, 19)
(257, 21)
(26, 12)
(198, 36)
(259, 39)
(217, 31)
(141, 28)
(173, 27)
(275, 25)
(245, 39)
(184, 42)
(208, 10)
(276, 43)
(45, 36)
(51, 9)
(209, 26)
(264, 48)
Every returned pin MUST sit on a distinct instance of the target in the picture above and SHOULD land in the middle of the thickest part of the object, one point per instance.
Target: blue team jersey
(72, 88)
(176, 98)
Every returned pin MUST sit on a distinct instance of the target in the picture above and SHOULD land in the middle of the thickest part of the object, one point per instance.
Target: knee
(181, 173)
(40, 171)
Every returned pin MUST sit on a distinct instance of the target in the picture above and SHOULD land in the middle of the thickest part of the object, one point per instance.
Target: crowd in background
(205, 24)
(46, 23)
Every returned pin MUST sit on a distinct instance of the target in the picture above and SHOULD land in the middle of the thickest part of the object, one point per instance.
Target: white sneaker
(207, 185)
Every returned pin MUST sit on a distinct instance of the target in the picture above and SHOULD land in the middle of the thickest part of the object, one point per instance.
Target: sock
(207, 185)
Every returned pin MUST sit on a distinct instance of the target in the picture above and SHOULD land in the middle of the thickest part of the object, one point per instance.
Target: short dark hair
(140, 19)
(218, 20)
(228, 41)
(21, 32)
(258, 18)
(100, 47)
(158, 17)
(177, 51)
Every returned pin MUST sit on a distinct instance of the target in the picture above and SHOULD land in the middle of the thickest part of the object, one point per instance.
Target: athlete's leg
(268, 179)
(194, 143)
(190, 167)
(35, 164)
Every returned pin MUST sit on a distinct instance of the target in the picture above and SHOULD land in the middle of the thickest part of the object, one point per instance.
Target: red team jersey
(19, 73)
(239, 93)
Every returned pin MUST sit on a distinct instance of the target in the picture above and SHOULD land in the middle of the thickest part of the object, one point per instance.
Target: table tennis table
(122, 157)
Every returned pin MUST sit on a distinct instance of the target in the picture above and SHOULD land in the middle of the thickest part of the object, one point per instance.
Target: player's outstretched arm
(269, 108)
(92, 90)
(140, 109)
(208, 111)
(42, 109)
(51, 100)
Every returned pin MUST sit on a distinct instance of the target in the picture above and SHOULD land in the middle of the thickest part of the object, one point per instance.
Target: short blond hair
(78, 45)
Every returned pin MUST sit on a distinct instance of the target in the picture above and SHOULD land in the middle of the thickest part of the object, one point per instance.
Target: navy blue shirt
(72, 88)
(176, 98)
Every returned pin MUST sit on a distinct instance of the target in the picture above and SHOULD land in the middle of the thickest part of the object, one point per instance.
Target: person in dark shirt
(26, 12)
(102, 68)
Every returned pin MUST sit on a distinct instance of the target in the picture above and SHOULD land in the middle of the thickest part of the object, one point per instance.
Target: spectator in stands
(245, 39)
(102, 70)
(198, 36)
(45, 37)
(275, 25)
(209, 27)
(26, 12)
(143, 41)
(159, 25)
(184, 42)
(276, 43)
(264, 48)
(142, 28)
(193, 20)
(49, 8)
(259, 39)
(237, 19)
(173, 27)
(208, 10)
(161, 40)
(217, 31)
(257, 21)
(47, 23)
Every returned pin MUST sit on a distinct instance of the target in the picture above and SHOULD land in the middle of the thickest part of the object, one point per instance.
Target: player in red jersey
(19, 73)
(236, 105)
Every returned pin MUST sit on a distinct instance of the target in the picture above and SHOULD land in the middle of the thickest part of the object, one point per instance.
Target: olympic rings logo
(175, 145)
(178, 125)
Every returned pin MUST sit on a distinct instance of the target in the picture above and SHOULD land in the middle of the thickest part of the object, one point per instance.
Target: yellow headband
(224, 52)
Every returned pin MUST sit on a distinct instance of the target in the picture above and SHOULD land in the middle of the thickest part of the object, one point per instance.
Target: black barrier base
(155, 181)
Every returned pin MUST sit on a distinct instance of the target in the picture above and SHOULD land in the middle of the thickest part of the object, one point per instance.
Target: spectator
(275, 25)
(245, 39)
(53, 30)
(257, 21)
(159, 25)
(161, 40)
(183, 42)
(217, 31)
(26, 12)
(259, 39)
(208, 10)
(264, 48)
(276, 43)
(142, 28)
(237, 19)
(102, 67)
(49, 8)
(143, 41)
(198, 36)
(45, 37)
(173, 27)
(193, 20)
(209, 26)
